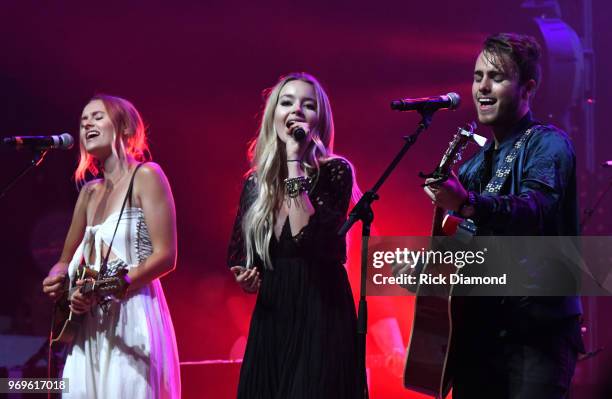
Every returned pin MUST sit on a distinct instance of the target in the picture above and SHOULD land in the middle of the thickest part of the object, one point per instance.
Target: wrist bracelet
(294, 160)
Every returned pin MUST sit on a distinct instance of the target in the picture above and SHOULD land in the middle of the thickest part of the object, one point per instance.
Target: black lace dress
(302, 339)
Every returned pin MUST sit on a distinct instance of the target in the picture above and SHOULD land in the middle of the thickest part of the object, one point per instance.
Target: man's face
(499, 98)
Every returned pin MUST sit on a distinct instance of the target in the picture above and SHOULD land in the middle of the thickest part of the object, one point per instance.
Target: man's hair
(522, 51)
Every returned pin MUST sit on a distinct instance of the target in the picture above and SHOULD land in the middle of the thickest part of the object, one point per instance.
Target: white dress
(129, 351)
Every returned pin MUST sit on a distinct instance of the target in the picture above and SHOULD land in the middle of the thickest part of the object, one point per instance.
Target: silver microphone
(449, 100)
(62, 142)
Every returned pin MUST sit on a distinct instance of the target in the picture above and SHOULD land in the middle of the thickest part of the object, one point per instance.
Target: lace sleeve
(330, 198)
(336, 183)
(236, 252)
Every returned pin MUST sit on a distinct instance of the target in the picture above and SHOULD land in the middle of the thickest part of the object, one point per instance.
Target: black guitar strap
(128, 197)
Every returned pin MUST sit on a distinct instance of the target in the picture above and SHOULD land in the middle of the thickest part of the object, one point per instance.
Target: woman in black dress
(284, 246)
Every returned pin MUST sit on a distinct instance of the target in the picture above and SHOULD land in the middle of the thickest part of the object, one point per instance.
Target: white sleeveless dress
(130, 350)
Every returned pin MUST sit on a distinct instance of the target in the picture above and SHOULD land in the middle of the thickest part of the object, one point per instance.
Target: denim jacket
(538, 198)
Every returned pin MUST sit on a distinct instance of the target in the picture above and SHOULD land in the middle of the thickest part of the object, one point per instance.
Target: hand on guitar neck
(82, 302)
(88, 288)
(448, 194)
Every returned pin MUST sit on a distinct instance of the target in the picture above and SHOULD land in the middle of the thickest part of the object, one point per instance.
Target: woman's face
(97, 130)
(297, 106)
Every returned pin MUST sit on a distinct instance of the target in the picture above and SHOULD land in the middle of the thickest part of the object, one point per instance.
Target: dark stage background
(196, 70)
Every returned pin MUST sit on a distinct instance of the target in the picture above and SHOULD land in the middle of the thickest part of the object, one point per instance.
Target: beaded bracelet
(294, 186)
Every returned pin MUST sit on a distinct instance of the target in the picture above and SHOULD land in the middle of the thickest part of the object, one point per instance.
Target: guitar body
(430, 349)
(65, 327)
(430, 340)
(66, 323)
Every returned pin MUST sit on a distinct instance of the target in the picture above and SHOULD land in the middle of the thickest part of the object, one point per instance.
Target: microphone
(299, 133)
(62, 142)
(450, 101)
(607, 164)
(296, 131)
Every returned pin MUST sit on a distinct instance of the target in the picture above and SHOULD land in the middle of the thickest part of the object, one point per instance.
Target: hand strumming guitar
(54, 284)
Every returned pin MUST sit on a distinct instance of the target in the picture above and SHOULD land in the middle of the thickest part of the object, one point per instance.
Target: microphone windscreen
(66, 141)
(455, 100)
(299, 134)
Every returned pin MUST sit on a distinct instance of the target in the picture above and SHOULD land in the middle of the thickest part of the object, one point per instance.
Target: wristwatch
(468, 208)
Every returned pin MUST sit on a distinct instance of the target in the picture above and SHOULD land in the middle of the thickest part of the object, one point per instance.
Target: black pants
(539, 367)
(516, 371)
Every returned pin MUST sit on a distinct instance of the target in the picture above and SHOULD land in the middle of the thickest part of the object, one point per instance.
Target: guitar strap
(501, 174)
(128, 197)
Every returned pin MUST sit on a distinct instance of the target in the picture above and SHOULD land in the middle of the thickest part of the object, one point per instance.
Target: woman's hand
(53, 284)
(80, 303)
(248, 279)
(296, 148)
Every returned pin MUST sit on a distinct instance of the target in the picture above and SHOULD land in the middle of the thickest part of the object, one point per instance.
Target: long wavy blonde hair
(268, 160)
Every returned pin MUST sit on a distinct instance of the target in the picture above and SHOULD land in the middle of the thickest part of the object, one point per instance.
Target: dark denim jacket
(539, 195)
(538, 198)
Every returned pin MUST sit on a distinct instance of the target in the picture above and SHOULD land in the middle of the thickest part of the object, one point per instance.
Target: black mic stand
(37, 157)
(363, 211)
(588, 212)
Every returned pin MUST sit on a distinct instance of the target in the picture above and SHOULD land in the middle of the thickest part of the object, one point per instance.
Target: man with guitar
(523, 182)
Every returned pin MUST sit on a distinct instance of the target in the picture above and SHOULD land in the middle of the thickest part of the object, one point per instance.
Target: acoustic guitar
(431, 339)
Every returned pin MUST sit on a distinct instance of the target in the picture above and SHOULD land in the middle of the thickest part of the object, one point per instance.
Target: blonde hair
(268, 165)
(130, 140)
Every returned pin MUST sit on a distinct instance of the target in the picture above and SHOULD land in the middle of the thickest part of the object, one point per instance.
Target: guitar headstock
(457, 145)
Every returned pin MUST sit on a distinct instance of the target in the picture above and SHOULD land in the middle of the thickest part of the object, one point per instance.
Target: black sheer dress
(302, 339)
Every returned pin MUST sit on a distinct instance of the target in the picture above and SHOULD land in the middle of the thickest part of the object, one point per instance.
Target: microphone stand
(363, 211)
(588, 212)
(37, 157)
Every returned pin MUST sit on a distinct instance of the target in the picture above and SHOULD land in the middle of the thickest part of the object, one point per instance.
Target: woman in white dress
(124, 348)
